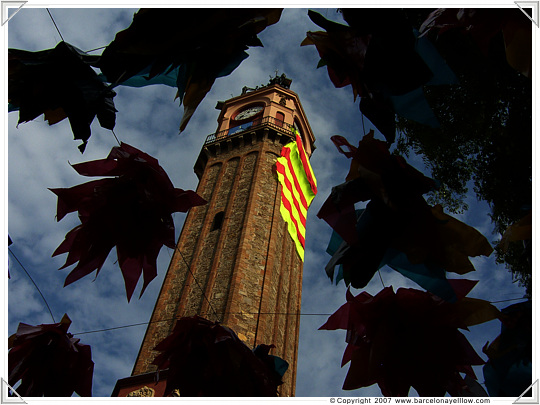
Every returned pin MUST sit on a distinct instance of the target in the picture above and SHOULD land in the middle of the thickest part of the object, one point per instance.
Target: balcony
(271, 122)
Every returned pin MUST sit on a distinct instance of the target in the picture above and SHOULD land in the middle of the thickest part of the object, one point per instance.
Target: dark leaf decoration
(207, 359)
(131, 210)
(485, 26)
(192, 44)
(380, 55)
(519, 231)
(49, 361)
(397, 227)
(60, 83)
(392, 64)
(508, 373)
(409, 338)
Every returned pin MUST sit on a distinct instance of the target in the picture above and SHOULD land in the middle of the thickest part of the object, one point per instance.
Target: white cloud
(19, 287)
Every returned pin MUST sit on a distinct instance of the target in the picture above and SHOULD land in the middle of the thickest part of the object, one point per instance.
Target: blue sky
(148, 118)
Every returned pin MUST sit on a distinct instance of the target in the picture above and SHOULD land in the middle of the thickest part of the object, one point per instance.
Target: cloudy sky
(39, 158)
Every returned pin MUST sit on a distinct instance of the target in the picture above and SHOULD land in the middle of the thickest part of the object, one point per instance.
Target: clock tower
(235, 261)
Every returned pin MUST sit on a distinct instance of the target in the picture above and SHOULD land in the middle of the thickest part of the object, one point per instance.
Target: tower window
(218, 221)
(280, 119)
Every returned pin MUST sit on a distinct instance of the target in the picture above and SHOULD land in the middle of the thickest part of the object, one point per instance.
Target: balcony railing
(257, 123)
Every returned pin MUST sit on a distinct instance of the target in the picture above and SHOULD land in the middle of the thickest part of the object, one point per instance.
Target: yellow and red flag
(299, 187)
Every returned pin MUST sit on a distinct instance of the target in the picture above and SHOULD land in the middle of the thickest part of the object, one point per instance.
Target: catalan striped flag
(299, 187)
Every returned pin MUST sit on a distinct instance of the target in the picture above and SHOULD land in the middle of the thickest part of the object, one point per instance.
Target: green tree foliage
(485, 136)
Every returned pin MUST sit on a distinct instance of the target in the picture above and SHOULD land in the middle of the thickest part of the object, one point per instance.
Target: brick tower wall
(248, 267)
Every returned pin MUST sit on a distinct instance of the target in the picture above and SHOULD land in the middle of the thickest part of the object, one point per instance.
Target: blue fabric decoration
(174, 77)
(280, 365)
(141, 79)
(511, 382)
(430, 277)
(442, 74)
(333, 247)
(415, 107)
(334, 243)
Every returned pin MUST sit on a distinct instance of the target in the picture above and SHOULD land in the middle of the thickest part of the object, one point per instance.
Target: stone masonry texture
(243, 272)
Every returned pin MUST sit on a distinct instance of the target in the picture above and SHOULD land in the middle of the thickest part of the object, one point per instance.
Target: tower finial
(282, 80)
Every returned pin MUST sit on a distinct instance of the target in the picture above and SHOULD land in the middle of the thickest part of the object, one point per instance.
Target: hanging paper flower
(342, 50)
(49, 361)
(193, 46)
(374, 173)
(375, 53)
(519, 231)
(59, 83)
(484, 25)
(397, 227)
(354, 270)
(386, 176)
(380, 55)
(207, 359)
(131, 210)
(508, 373)
(409, 338)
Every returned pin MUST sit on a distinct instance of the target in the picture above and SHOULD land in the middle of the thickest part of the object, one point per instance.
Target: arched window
(280, 119)
(218, 221)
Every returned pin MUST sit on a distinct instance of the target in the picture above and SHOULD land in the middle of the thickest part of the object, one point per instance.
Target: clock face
(248, 113)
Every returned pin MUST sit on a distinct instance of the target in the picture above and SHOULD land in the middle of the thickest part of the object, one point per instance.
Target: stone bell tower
(235, 262)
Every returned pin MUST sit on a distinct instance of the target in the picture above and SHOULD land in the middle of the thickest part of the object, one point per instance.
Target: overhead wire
(56, 26)
(197, 282)
(244, 313)
(97, 49)
(380, 276)
(172, 319)
(115, 137)
(33, 282)
(91, 50)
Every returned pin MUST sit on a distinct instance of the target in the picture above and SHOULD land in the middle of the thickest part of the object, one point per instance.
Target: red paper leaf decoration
(207, 359)
(131, 211)
(49, 361)
(409, 338)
